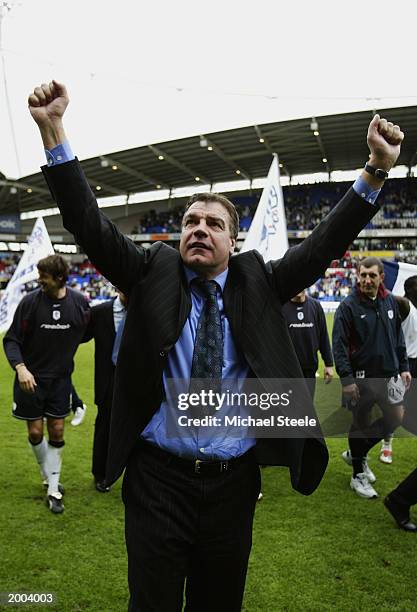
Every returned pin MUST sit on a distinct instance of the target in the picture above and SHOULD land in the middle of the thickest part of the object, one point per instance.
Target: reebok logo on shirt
(56, 326)
(301, 325)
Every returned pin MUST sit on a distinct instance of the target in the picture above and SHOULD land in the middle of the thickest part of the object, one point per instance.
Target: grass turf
(329, 551)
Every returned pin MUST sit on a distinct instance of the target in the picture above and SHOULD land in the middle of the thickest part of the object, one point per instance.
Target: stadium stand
(305, 207)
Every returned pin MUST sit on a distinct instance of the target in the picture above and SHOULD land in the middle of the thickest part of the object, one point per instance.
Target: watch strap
(377, 172)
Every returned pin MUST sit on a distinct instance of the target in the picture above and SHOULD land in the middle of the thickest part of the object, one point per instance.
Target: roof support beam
(174, 162)
(135, 173)
(227, 160)
(24, 187)
(314, 127)
(264, 139)
(94, 183)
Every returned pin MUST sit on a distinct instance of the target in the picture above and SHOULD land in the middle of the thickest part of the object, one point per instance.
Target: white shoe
(360, 484)
(368, 472)
(61, 489)
(54, 503)
(260, 496)
(346, 456)
(79, 415)
(386, 453)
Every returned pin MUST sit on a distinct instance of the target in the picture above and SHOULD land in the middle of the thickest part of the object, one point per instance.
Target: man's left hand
(328, 374)
(406, 378)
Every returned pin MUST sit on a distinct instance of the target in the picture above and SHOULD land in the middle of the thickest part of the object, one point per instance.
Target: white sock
(387, 442)
(53, 466)
(40, 450)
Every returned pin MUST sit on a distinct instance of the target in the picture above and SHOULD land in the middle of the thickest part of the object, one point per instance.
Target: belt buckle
(197, 466)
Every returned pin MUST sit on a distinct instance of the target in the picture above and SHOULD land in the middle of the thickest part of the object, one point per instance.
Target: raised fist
(47, 103)
(384, 142)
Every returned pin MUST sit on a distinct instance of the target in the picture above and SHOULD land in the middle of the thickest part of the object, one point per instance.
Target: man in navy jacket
(371, 360)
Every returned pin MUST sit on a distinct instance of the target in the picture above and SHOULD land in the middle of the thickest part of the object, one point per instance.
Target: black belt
(196, 466)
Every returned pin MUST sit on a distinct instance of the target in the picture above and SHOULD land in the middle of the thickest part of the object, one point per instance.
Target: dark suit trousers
(101, 436)
(406, 492)
(182, 528)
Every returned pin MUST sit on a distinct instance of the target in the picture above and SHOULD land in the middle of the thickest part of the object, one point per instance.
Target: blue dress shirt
(194, 443)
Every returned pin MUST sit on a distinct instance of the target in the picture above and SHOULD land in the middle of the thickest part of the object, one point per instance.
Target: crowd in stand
(169, 222)
(334, 286)
(83, 277)
(305, 207)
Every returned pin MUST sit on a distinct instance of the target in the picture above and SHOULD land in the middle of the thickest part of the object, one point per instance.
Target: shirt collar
(117, 305)
(220, 279)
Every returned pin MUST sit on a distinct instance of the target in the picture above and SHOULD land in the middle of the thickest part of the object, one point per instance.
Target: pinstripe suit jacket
(159, 304)
(101, 328)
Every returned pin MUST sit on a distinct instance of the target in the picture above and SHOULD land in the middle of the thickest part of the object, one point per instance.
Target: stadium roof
(336, 142)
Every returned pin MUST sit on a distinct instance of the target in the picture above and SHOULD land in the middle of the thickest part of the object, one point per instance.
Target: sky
(141, 72)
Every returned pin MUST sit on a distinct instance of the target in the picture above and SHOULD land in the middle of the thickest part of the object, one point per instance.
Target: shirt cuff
(60, 154)
(365, 191)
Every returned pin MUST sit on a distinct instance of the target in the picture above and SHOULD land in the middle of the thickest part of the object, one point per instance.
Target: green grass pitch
(329, 551)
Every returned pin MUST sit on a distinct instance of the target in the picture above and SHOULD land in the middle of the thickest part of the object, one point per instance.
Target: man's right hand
(47, 106)
(26, 379)
(352, 392)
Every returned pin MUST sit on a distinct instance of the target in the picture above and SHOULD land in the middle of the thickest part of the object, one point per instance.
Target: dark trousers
(182, 528)
(101, 437)
(310, 376)
(406, 492)
(410, 417)
(76, 401)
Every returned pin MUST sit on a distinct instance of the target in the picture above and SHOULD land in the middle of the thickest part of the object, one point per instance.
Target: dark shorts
(51, 399)
(372, 391)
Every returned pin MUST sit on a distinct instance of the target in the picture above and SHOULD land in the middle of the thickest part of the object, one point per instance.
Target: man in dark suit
(190, 502)
(400, 500)
(106, 319)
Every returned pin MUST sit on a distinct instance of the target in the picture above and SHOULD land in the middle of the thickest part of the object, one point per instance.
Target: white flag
(268, 231)
(39, 246)
(396, 273)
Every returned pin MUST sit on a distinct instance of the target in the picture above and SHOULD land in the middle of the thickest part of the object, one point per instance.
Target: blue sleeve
(365, 191)
(60, 154)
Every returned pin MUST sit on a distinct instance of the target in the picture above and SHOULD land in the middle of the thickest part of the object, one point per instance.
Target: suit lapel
(110, 317)
(184, 304)
(233, 303)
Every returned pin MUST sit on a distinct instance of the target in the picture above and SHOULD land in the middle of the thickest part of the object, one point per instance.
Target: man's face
(369, 280)
(206, 244)
(300, 297)
(49, 284)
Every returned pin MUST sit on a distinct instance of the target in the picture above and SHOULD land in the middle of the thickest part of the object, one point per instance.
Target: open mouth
(199, 245)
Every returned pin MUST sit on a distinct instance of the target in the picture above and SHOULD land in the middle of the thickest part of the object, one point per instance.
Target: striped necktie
(117, 340)
(208, 347)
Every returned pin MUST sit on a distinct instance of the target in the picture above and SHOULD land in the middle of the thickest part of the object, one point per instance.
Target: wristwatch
(376, 172)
